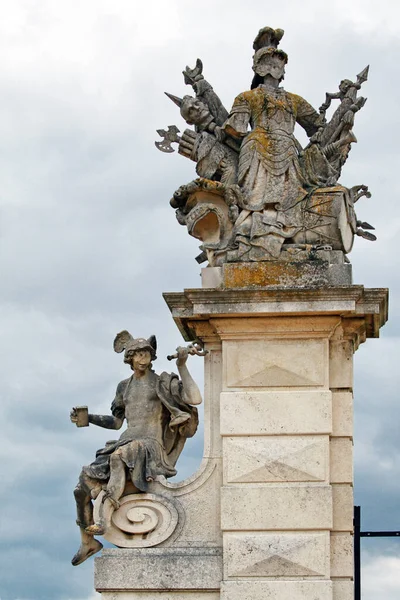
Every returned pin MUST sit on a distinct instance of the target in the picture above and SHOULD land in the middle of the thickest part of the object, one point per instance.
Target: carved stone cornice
(365, 309)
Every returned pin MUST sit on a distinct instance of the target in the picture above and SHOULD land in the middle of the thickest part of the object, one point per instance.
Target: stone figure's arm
(191, 392)
(238, 121)
(106, 421)
(328, 99)
(116, 419)
(306, 116)
(205, 91)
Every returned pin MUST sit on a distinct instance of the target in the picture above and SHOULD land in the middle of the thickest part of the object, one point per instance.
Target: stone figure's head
(268, 60)
(139, 352)
(345, 85)
(193, 110)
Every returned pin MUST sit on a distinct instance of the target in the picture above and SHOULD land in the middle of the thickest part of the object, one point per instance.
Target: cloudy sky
(88, 242)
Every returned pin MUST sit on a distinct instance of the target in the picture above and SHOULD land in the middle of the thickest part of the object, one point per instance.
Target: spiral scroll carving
(142, 520)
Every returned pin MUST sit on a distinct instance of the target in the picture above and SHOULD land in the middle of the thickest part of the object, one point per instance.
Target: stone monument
(269, 514)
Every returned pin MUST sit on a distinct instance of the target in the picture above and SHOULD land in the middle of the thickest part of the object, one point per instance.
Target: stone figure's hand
(316, 138)
(73, 416)
(348, 117)
(220, 134)
(187, 143)
(182, 356)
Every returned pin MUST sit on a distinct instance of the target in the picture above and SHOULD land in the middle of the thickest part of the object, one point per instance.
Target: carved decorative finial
(363, 76)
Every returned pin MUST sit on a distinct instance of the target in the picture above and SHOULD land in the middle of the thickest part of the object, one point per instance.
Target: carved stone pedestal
(270, 514)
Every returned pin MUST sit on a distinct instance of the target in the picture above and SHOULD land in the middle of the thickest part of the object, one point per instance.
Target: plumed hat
(124, 341)
(267, 42)
(268, 38)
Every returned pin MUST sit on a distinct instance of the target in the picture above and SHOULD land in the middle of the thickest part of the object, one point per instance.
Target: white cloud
(381, 578)
(88, 241)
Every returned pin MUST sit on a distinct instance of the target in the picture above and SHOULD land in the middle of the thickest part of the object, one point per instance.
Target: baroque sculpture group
(260, 194)
(259, 197)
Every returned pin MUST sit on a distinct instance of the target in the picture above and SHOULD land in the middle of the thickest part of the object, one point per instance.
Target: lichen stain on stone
(259, 274)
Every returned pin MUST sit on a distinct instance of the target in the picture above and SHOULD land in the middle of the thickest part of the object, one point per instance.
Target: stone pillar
(286, 425)
(270, 513)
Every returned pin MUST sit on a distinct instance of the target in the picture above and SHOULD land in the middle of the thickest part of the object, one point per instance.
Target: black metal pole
(357, 553)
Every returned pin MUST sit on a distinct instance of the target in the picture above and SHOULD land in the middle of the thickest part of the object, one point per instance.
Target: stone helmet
(266, 51)
(124, 341)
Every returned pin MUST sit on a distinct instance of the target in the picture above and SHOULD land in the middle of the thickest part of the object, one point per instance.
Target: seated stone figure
(159, 416)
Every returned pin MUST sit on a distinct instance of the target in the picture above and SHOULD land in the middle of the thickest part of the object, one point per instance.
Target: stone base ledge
(158, 569)
(276, 590)
(192, 307)
(325, 270)
(192, 595)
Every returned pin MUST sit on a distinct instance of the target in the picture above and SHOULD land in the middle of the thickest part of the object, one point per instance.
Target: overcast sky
(88, 241)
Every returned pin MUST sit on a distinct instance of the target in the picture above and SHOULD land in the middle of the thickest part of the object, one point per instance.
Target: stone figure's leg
(117, 481)
(83, 499)
(115, 489)
(84, 508)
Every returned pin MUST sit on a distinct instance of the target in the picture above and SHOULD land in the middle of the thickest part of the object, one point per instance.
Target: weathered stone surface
(276, 590)
(342, 495)
(343, 590)
(341, 460)
(278, 363)
(159, 569)
(276, 459)
(341, 364)
(211, 277)
(272, 413)
(283, 555)
(254, 507)
(141, 520)
(192, 308)
(199, 498)
(287, 273)
(342, 555)
(173, 595)
(342, 414)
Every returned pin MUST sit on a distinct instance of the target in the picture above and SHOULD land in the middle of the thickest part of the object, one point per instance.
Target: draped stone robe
(269, 171)
(149, 446)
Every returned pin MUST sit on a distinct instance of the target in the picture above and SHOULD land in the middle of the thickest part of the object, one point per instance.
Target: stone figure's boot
(89, 546)
(84, 509)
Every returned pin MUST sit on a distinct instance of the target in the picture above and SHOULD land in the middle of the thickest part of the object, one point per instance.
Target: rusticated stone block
(281, 555)
(341, 364)
(158, 569)
(342, 414)
(342, 555)
(341, 460)
(276, 459)
(342, 495)
(276, 507)
(274, 413)
(193, 595)
(276, 363)
(276, 590)
(343, 590)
